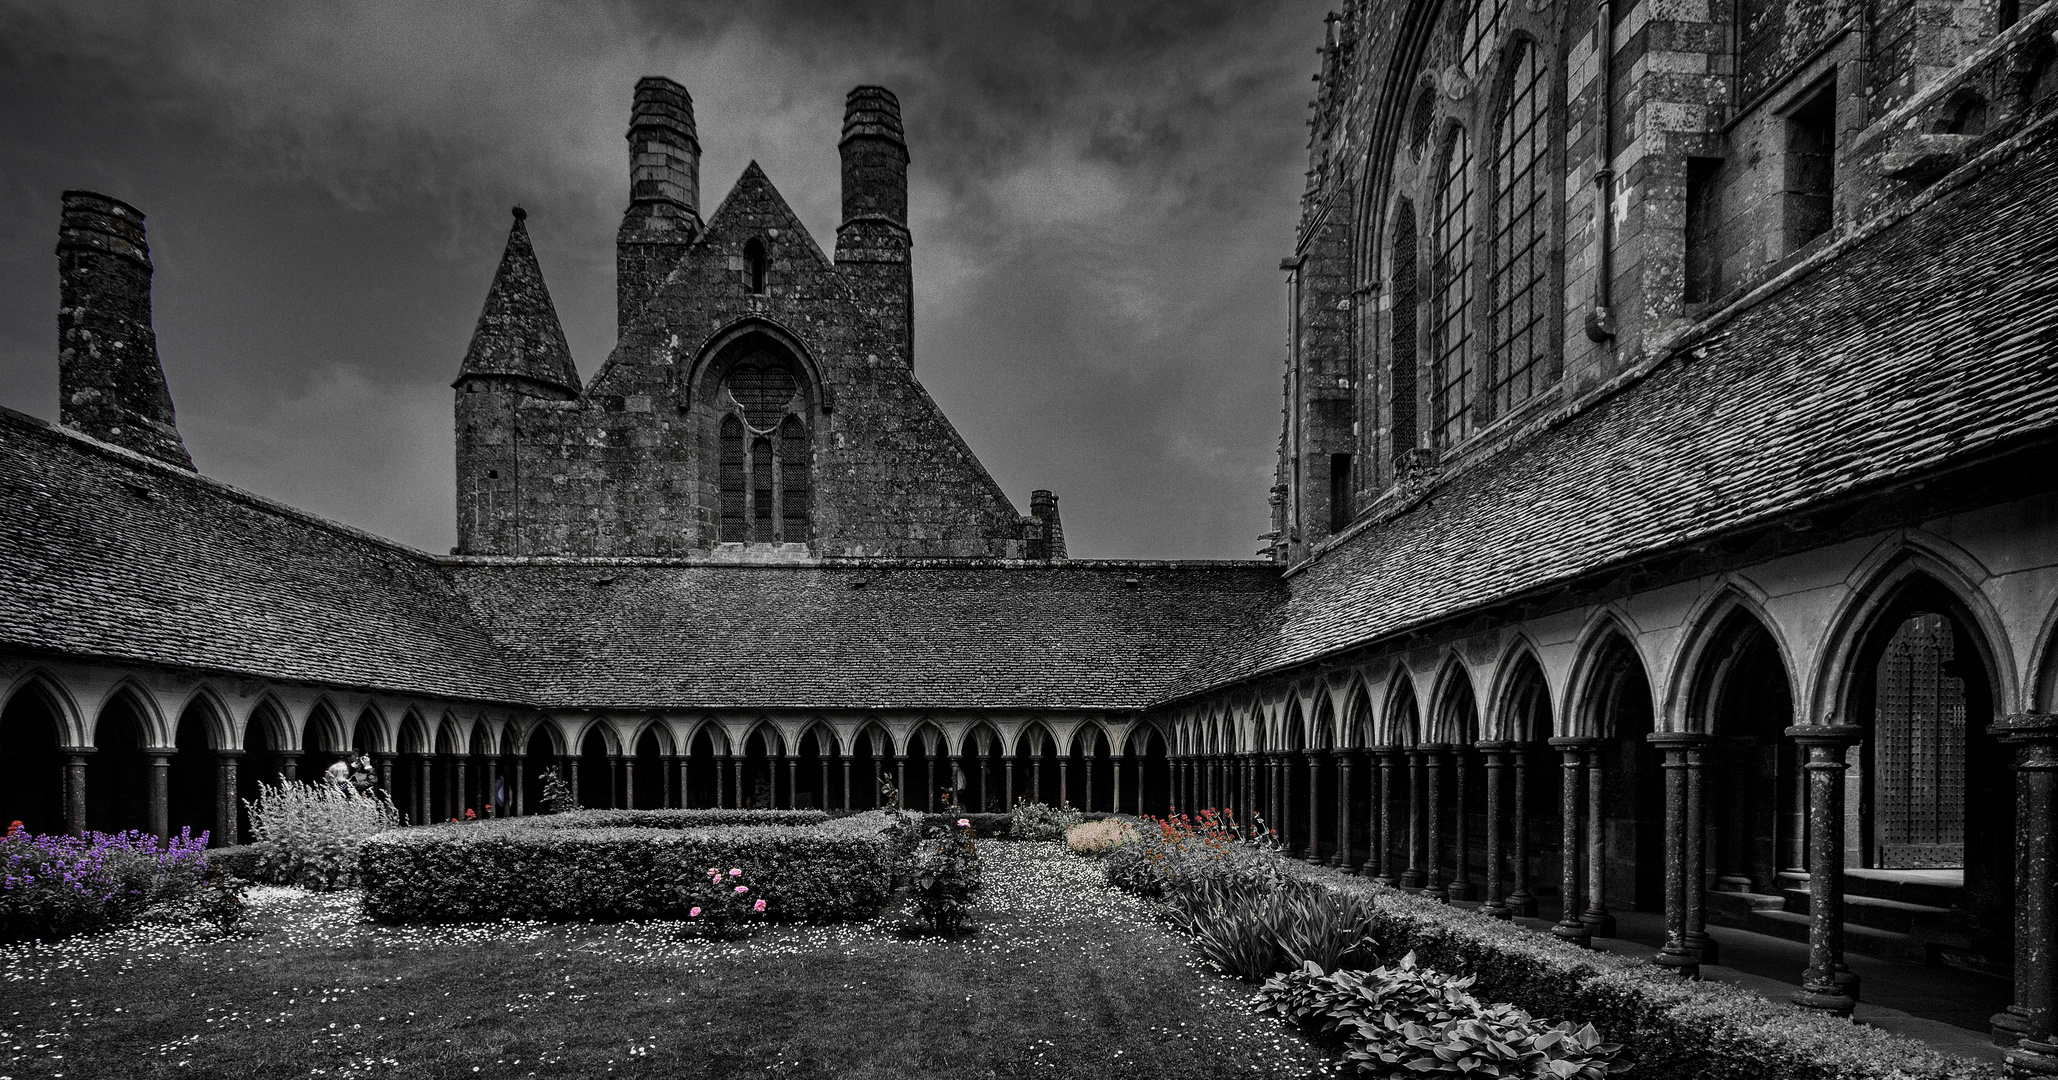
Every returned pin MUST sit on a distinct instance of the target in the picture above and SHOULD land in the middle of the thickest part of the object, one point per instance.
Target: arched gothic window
(755, 265)
(766, 456)
(1450, 292)
(1404, 358)
(1517, 359)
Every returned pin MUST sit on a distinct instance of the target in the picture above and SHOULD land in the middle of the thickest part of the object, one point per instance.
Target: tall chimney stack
(663, 218)
(110, 384)
(872, 244)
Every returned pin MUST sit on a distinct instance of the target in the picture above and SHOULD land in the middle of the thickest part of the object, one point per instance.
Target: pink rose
(741, 889)
(735, 872)
(966, 822)
(759, 906)
(694, 914)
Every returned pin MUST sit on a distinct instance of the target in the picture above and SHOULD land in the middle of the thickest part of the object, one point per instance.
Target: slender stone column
(1375, 860)
(1496, 755)
(461, 790)
(1065, 781)
(1437, 755)
(684, 764)
(425, 789)
(1677, 954)
(1570, 927)
(1342, 858)
(75, 789)
(1461, 862)
(1389, 765)
(1418, 779)
(382, 763)
(736, 776)
(1036, 779)
(1826, 985)
(1522, 900)
(571, 780)
(1315, 806)
(792, 783)
(160, 791)
(1697, 937)
(289, 766)
(2032, 1019)
(226, 819)
(1597, 918)
(846, 784)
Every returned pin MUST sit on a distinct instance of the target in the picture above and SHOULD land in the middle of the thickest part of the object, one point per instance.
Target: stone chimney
(1045, 533)
(663, 218)
(109, 382)
(872, 243)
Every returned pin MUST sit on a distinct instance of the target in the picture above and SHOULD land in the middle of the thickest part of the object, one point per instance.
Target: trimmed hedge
(984, 826)
(1670, 1027)
(516, 869)
(664, 819)
(238, 860)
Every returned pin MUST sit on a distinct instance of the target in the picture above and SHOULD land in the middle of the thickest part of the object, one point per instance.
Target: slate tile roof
(1082, 635)
(105, 554)
(1932, 343)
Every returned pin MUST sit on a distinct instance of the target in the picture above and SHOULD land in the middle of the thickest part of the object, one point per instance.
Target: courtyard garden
(791, 943)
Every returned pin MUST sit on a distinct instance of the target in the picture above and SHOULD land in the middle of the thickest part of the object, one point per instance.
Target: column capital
(1830, 735)
(1678, 740)
(2026, 727)
(230, 753)
(1492, 746)
(1575, 742)
(78, 750)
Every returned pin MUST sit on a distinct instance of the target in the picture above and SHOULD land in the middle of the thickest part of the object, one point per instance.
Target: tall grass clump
(308, 834)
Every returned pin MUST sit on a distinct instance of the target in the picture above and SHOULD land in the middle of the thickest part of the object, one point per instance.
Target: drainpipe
(1600, 322)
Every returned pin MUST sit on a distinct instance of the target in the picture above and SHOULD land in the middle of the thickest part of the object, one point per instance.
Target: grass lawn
(1064, 978)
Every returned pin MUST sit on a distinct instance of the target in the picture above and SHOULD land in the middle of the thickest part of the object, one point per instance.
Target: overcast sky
(1100, 194)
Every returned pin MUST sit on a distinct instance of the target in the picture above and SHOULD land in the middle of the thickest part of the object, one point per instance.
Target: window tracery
(766, 457)
(1450, 281)
(1520, 250)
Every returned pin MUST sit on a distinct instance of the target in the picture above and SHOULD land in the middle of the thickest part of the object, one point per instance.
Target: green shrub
(1252, 921)
(514, 869)
(308, 834)
(1038, 821)
(945, 878)
(1406, 1020)
(984, 826)
(237, 860)
(557, 794)
(1673, 1028)
(1101, 837)
(55, 885)
(669, 819)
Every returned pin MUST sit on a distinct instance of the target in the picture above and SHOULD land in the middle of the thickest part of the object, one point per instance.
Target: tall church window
(1919, 728)
(1521, 241)
(795, 457)
(1450, 284)
(1404, 358)
(766, 460)
(734, 530)
(1482, 28)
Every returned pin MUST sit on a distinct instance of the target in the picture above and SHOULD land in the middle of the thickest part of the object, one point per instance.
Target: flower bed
(667, 819)
(53, 886)
(1670, 1027)
(535, 868)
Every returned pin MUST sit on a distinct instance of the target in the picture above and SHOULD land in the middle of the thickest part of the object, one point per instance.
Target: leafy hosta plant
(1406, 1020)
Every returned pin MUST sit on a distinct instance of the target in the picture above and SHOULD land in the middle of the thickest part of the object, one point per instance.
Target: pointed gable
(518, 333)
(754, 205)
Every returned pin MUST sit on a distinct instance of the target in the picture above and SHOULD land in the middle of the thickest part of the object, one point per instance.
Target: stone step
(1725, 908)
(1886, 885)
(1894, 915)
(1863, 940)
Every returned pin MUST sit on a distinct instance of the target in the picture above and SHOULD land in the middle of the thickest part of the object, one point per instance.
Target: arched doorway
(872, 765)
(539, 756)
(1630, 842)
(648, 784)
(1743, 697)
(760, 781)
(1535, 837)
(191, 801)
(31, 761)
(596, 773)
(118, 772)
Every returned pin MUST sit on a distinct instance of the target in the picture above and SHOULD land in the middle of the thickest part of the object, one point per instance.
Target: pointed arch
(130, 694)
(1403, 720)
(52, 693)
(369, 732)
(1522, 697)
(1884, 577)
(215, 714)
(322, 732)
(414, 734)
(37, 723)
(1454, 718)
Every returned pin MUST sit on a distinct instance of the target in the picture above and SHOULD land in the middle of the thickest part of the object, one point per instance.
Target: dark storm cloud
(1100, 197)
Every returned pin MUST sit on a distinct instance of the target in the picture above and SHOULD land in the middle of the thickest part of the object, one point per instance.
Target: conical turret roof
(518, 332)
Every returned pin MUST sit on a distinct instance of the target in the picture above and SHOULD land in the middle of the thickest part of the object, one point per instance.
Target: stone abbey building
(1666, 517)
